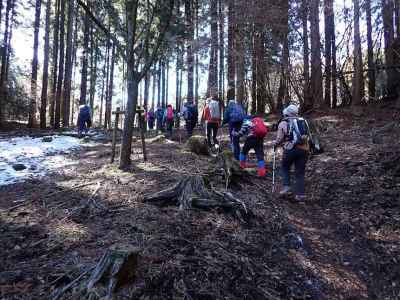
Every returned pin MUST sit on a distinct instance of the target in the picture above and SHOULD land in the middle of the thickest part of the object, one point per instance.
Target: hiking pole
(273, 171)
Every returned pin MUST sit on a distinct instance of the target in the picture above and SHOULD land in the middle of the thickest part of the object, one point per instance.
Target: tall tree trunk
(231, 45)
(54, 68)
(32, 122)
(212, 87)
(9, 46)
(197, 68)
(4, 62)
(93, 68)
(221, 47)
(254, 72)
(105, 86)
(68, 64)
(283, 93)
(110, 90)
(306, 53)
(60, 79)
(387, 13)
(370, 44)
(45, 80)
(329, 32)
(153, 98)
(316, 69)
(159, 104)
(240, 62)
(358, 65)
(133, 83)
(261, 72)
(163, 87)
(84, 74)
(189, 49)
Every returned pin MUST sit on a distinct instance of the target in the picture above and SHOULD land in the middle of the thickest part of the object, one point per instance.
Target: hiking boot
(285, 191)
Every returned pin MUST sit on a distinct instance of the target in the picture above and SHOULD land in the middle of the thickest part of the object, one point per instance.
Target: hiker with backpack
(191, 115)
(254, 130)
(150, 118)
(212, 118)
(169, 118)
(84, 119)
(234, 116)
(293, 136)
(160, 117)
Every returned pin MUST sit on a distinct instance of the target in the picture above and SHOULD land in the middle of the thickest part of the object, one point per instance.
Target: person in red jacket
(212, 118)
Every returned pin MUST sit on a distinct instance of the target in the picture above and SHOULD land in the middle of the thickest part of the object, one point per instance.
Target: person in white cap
(293, 135)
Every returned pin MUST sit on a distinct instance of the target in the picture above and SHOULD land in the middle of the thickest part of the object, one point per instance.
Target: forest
(147, 146)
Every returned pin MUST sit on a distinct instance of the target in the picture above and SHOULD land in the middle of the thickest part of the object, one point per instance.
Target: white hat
(291, 111)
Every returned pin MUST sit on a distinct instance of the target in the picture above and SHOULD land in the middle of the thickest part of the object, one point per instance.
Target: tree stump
(197, 192)
(116, 268)
(198, 145)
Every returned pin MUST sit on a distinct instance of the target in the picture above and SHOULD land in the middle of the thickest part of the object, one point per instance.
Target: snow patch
(40, 158)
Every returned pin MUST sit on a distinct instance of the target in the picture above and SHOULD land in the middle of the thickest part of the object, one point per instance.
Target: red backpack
(259, 128)
(170, 113)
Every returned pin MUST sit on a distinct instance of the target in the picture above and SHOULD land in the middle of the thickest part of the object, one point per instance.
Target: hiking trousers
(298, 158)
(235, 140)
(190, 125)
(170, 125)
(254, 143)
(212, 133)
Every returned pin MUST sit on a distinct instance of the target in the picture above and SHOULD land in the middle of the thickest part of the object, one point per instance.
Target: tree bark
(45, 79)
(306, 53)
(4, 62)
(32, 121)
(316, 69)
(358, 64)
(189, 49)
(68, 64)
(329, 32)
(60, 79)
(212, 86)
(110, 90)
(54, 71)
(231, 45)
(371, 61)
(387, 13)
(221, 80)
(84, 74)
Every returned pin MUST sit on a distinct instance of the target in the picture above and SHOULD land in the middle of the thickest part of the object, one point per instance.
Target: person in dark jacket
(159, 118)
(191, 116)
(294, 153)
(84, 119)
(234, 115)
(252, 142)
(151, 118)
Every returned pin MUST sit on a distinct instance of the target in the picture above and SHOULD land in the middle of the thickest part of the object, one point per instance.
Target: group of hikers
(293, 135)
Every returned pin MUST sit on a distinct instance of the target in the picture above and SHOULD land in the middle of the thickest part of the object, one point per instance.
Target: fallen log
(197, 192)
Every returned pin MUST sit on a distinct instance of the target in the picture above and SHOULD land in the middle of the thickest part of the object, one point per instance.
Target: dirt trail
(342, 243)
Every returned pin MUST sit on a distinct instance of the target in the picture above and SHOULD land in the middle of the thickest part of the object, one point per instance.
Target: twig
(66, 288)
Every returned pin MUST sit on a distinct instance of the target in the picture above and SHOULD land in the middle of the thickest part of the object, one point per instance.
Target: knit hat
(291, 111)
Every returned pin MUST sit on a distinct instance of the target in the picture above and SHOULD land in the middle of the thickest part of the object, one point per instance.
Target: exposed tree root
(197, 192)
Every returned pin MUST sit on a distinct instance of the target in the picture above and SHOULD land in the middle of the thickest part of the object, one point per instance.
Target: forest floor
(343, 242)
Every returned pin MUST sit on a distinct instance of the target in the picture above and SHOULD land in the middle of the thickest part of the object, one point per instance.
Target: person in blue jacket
(234, 116)
(84, 119)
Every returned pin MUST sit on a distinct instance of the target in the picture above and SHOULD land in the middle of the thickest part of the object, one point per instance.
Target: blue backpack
(84, 112)
(236, 113)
